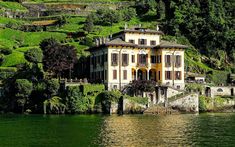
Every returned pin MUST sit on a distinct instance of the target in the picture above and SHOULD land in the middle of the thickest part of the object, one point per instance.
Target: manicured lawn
(13, 59)
(24, 49)
(4, 21)
(13, 6)
(17, 37)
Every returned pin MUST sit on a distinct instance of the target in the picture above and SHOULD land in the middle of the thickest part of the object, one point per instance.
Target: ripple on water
(173, 130)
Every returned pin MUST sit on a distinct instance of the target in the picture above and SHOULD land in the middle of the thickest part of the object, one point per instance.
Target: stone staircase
(159, 110)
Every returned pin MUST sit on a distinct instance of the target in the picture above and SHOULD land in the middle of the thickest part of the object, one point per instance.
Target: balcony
(114, 63)
(142, 64)
(124, 64)
(167, 64)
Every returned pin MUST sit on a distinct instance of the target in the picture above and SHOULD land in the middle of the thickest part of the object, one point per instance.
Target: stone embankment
(160, 110)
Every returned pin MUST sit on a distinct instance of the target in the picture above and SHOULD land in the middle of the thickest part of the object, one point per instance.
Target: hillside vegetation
(207, 27)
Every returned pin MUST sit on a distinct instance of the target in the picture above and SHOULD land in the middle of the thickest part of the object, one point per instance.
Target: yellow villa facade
(137, 54)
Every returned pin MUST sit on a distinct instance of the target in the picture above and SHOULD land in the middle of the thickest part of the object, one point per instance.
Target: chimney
(157, 28)
(125, 26)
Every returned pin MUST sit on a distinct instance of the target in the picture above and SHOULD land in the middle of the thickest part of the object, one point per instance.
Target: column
(136, 74)
(147, 74)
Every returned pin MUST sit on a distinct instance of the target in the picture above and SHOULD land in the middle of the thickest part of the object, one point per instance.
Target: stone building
(137, 54)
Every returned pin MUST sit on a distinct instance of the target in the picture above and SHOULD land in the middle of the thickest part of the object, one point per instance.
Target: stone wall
(220, 91)
(131, 107)
(188, 103)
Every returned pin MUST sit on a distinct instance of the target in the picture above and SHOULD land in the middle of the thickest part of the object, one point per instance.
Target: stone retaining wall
(188, 103)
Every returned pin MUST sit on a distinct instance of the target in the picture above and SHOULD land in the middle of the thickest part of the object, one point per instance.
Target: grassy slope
(72, 1)
(12, 6)
(14, 59)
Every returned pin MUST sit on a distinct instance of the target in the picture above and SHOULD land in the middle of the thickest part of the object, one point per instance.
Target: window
(142, 59)
(159, 59)
(125, 59)
(177, 61)
(159, 75)
(178, 75)
(105, 75)
(219, 90)
(98, 59)
(114, 59)
(168, 60)
(98, 75)
(102, 75)
(133, 58)
(94, 62)
(153, 59)
(105, 57)
(168, 75)
(124, 74)
(132, 41)
(115, 74)
(152, 42)
(142, 42)
(102, 59)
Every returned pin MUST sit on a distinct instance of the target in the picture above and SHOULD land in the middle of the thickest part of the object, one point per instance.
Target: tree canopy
(57, 58)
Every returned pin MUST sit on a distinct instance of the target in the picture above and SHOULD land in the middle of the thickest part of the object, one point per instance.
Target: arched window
(219, 90)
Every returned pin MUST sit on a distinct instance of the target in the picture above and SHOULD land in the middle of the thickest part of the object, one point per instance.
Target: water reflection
(172, 130)
(145, 130)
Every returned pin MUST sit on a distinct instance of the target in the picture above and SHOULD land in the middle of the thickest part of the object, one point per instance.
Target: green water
(128, 130)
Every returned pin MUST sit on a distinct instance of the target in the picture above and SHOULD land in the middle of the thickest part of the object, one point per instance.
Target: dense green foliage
(23, 89)
(137, 100)
(57, 58)
(34, 55)
(136, 87)
(208, 25)
(218, 103)
(83, 98)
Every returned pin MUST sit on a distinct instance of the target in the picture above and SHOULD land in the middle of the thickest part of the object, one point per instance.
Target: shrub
(5, 50)
(202, 104)
(55, 105)
(138, 100)
(34, 55)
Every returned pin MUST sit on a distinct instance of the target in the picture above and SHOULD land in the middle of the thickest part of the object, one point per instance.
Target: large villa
(137, 54)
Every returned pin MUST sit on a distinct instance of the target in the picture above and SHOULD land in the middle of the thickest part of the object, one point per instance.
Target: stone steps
(159, 110)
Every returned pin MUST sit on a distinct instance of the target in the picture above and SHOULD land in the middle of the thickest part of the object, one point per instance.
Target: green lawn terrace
(12, 6)
(71, 1)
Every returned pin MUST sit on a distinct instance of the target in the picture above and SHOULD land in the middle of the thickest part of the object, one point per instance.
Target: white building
(137, 54)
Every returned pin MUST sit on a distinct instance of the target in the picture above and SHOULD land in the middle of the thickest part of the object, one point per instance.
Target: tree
(55, 104)
(128, 13)
(89, 24)
(109, 97)
(137, 86)
(23, 89)
(142, 6)
(53, 86)
(34, 55)
(57, 58)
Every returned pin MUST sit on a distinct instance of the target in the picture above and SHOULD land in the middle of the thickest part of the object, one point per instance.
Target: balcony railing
(142, 64)
(114, 63)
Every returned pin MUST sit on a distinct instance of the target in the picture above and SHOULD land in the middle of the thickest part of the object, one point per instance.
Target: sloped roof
(167, 44)
(119, 41)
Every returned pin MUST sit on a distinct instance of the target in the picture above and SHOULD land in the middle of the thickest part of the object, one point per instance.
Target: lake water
(128, 130)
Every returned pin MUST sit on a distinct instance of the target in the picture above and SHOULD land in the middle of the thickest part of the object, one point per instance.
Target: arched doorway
(152, 74)
(142, 74)
(208, 91)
